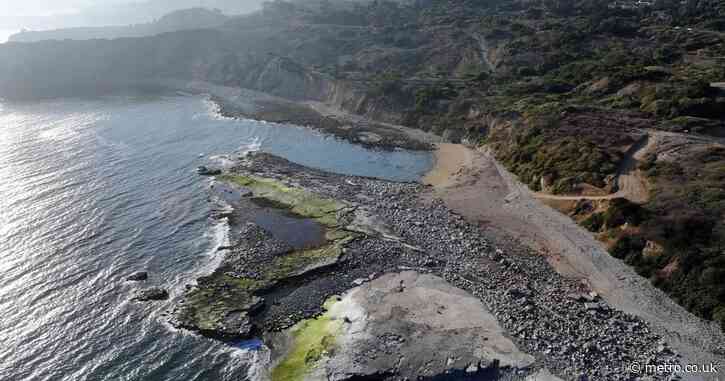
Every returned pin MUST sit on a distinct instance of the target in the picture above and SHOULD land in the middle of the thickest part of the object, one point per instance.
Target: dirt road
(631, 182)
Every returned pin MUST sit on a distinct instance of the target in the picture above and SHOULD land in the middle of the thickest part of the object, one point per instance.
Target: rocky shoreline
(241, 103)
(375, 229)
(357, 131)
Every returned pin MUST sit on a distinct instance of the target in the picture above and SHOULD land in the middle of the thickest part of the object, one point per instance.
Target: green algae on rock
(220, 306)
(223, 304)
(312, 340)
(300, 262)
(297, 200)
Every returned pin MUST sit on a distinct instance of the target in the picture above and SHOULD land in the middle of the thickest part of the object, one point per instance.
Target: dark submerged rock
(151, 294)
(138, 276)
(206, 171)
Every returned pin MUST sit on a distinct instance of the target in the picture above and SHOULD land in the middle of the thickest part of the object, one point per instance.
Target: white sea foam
(228, 161)
(213, 110)
(259, 361)
(219, 233)
(254, 146)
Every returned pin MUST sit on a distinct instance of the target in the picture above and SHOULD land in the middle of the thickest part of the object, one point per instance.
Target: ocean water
(92, 190)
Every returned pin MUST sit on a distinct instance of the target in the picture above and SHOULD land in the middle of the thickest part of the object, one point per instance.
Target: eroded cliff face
(560, 95)
(356, 99)
(369, 59)
(285, 78)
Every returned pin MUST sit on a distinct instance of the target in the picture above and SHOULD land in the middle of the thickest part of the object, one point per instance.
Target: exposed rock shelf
(403, 265)
(410, 325)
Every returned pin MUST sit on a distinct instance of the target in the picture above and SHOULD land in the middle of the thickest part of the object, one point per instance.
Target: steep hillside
(565, 92)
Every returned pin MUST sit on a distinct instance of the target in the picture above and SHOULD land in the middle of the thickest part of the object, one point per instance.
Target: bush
(719, 315)
(526, 71)
(623, 211)
(594, 223)
(628, 247)
(387, 84)
(712, 276)
(426, 97)
(666, 55)
(718, 24)
(564, 185)
(618, 26)
(666, 169)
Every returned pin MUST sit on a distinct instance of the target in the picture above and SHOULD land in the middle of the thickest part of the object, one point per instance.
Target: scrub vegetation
(560, 90)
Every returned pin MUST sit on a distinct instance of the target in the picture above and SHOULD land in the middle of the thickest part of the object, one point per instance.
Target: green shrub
(712, 276)
(666, 54)
(526, 71)
(623, 211)
(426, 97)
(666, 169)
(719, 315)
(594, 223)
(387, 84)
(628, 247)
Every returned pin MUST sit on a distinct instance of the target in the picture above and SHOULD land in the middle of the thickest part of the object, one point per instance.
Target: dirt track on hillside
(631, 181)
(485, 193)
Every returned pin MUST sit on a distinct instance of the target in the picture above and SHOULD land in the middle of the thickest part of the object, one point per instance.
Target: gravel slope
(488, 194)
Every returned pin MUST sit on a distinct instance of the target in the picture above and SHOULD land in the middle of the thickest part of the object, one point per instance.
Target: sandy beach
(450, 160)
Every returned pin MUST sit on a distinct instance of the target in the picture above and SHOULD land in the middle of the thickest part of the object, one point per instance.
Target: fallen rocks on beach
(376, 228)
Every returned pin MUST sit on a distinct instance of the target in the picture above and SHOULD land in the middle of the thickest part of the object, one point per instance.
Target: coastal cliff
(611, 112)
(568, 92)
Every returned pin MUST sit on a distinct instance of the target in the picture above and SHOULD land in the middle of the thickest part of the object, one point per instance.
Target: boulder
(597, 307)
(151, 294)
(205, 171)
(653, 250)
(633, 89)
(138, 276)
(601, 86)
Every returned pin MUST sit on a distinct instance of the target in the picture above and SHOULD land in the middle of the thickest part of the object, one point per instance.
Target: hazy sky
(48, 14)
(52, 7)
(47, 7)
